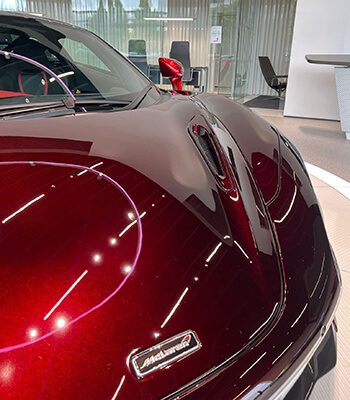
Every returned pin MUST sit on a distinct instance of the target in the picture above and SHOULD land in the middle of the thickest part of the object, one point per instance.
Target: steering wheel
(32, 80)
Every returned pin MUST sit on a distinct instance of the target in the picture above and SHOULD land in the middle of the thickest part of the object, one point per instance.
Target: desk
(203, 77)
(342, 77)
(330, 59)
(200, 83)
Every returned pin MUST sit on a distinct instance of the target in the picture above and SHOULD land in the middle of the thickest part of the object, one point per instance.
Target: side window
(82, 54)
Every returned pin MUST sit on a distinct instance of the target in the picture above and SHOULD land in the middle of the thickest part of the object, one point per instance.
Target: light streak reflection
(310, 389)
(236, 197)
(24, 344)
(240, 247)
(268, 319)
(244, 390)
(214, 252)
(63, 75)
(300, 315)
(290, 207)
(260, 212)
(23, 208)
(324, 286)
(253, 365)
(174, 308)
(119, 387)
(319, 277)
(282, 353)
(311, 369)
(130, 225)
(93, 166)
(65, 295)
(127, 228)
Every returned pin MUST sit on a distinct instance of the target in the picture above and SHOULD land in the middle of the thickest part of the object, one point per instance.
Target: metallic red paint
(249, 270)
(7, 94)
(168, 222)
(173, 70)
(219, 285)
(256, 139)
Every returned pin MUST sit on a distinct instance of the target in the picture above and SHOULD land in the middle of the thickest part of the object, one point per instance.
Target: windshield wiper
(68, 105)
(14, 110)
(139, 98)
(115, 103)
(102, 102)
(97, 104)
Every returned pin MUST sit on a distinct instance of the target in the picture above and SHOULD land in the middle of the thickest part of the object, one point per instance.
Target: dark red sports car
(154, 244)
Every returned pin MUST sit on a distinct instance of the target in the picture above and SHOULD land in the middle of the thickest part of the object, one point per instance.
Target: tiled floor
(335, 203)
(336, 209)
(320, 142)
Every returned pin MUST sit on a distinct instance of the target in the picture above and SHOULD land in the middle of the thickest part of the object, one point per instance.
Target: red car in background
(154, 244)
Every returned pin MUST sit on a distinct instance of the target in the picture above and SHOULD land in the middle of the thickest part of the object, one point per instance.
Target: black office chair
(180, 51)
(276, 82)
(137, 54)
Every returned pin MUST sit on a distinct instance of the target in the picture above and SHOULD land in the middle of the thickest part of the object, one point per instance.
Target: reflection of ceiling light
(97, 258)
(168, 19)
(23, 208)
(112, 241)
(214, 252)
(174, 308)
(66, 294)
(62, 75)
(61, 323)
(127, 269)
(33, 333)
(131, 216)
(6, 372)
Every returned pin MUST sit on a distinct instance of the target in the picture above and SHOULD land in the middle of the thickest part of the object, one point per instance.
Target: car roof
(38, 18)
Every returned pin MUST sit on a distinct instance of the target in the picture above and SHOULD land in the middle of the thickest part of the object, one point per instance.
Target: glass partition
(224, 14)
(144, 30)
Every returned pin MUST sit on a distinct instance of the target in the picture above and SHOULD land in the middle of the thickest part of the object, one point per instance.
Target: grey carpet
(321, 143)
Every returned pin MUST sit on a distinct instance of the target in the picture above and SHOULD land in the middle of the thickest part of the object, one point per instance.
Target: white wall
(321, 27)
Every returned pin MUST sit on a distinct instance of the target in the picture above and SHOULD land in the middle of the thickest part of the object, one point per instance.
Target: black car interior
(42, 61)
(19, 75)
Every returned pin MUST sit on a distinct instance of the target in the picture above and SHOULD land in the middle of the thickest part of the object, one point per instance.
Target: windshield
(42, 61)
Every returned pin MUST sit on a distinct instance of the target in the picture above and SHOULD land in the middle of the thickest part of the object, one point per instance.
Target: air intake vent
(211, 150)
(208, 148)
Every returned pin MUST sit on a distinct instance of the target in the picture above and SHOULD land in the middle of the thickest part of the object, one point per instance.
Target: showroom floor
(327, 154)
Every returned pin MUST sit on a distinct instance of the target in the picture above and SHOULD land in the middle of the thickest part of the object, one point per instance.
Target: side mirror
(173, 70)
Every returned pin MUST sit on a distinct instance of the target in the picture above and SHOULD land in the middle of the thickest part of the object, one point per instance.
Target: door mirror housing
(173, 70)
